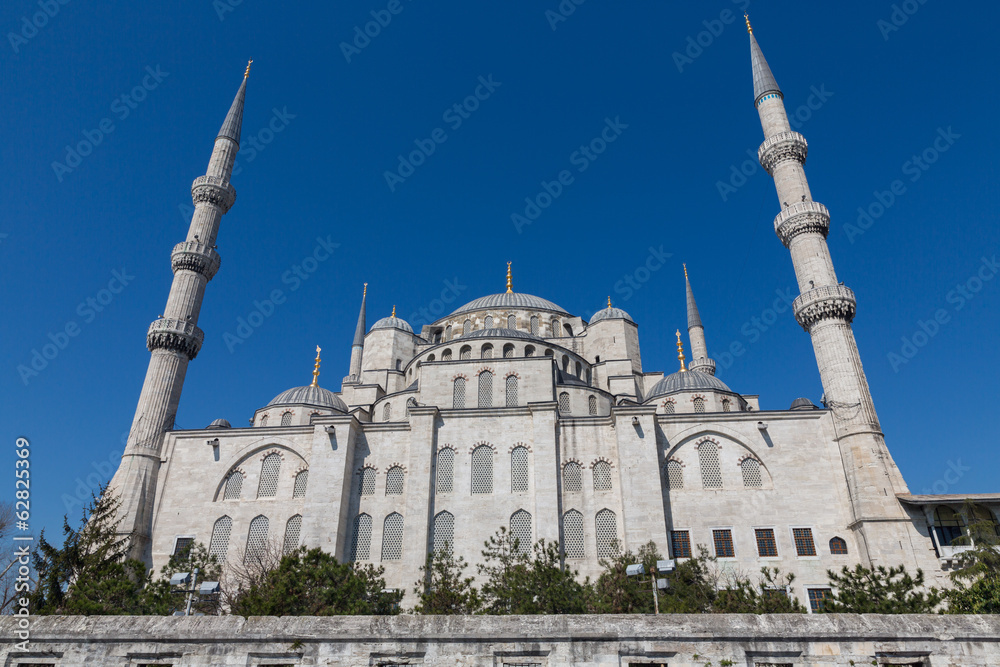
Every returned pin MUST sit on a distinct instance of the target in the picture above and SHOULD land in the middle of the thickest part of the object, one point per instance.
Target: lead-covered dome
(510, 300)
(611, 313)
(392, 322)
(687, 381)
(309, 395)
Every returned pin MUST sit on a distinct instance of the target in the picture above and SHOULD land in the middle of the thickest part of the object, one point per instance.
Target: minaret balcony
(703, 365)
(824, 303)
(802, 217)
(195, 256)
(175, 335)
(780, 147)
(213, 190)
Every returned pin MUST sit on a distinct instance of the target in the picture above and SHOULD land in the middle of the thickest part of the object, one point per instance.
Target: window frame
(732, 543)
(774, 538)
(687, 532)
(795, 546)
(816, 587)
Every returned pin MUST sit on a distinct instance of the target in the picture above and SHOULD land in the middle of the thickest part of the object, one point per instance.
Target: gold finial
(685, 271)
(247, 73)
(746, 17)
(393, 311)
(509, 290)
(365, 292)
(609, 302)
(316, 370)
(680, 351)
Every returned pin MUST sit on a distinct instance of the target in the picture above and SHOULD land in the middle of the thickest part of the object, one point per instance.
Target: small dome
(220, 423)
(500, 333)
(392, 322)
(687, 381)
(611, 313)
(510, 300)
(309, 395)
(802, 404)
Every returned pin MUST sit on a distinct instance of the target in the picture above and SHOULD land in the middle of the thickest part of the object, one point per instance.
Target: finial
(509, 290)
(747, 19)
(680, 351)
(247, 73)
(609, 302)
(365, 292)
(316, 370)
(685, 270)
(393, 311)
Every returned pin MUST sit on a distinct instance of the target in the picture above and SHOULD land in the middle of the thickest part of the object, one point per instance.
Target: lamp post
(662, 567)
(206, 588)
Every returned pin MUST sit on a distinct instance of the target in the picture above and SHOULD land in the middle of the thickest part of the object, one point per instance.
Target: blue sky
(144, 88)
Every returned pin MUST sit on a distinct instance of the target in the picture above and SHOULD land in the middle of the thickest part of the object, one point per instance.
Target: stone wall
(546, 641)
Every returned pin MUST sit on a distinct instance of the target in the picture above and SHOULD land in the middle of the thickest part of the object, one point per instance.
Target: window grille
(301, 480)
(465, 352)
(555, 328)
(534, 325)
(219, 544)
(446, 355)
(444, 532)
(458, 394)
(699, 404)
(675, 475)
(668, 407)
(487, 352)
(529, 351)
(482, 470)
(520, 530)
(486, 389)
(708, 456)
(602, 476)
(361, 548)
(592, 405)
(572, 478)
(387, 412)
(726, 405)
(256, 539)
(804, 545)
(510, 389)
(286, 419)
(466, 327)
(766, 545)
(447, 332)
(234, 486)
(269, 470)
(564, 403)
(838, 546)
(519, 470)
(508, 351)
(751, 473)
(511, 322)
(368, 481)
(607, 534)
(263, 421)
(818, 598)
(392, 537)
(680, 543)
(573, 535)
(723, 543)
(445, 475)
(182, 544)
(488, 322)
(394, 481)
(292, 530)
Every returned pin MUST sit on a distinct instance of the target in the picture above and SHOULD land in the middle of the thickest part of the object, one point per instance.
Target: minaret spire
(358, 346)
(825, 309)
(174, 339)
(696, 334)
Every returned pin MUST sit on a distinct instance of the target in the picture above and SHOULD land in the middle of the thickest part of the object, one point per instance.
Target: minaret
(696, 334)
(358, 346)
(825, 309)
(174, 338)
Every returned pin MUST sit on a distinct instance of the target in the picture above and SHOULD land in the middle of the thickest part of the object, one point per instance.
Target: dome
(802, 404)
(611, 313)
(510, 300)
(687, 381)
(499, 333)
(392, 322)
(309, 395)
(220, 423)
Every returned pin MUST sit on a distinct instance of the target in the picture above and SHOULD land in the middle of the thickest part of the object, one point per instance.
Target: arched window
(301, 480)
(751, 473)
(486, 389)
(410, 403)
(675, 475)
(592, 405)
(838, 546)
(361, 542)
(256, 539)
(447, 332)
(708, 457)
(488, 322)
(394, 481)
(482, 470)
(727, 406)
(568, 329)
(446, 355)
(511, 322)
(458, 394)
(510, 389)
(430, 357)
(520, 531)
(669, 406)
(549, 353)
(392, 537)
(367, 481)
(263, 420)
(573, 535)
(487, 351)
(220, 538)
(607, 534)
(948, 525)
(572, 477)
(465, 352)
(286, 419)
(445, 473)
(387, 412)
(508, 351)
(555, 328)
(269, 470)
(399, 364)
(533, 324)
(602, 476)
(564, 403)
(234, 485)
(466, 327)
(699, 404)
(444, 532)
(292, 530)
(519, 470)
(529, 351)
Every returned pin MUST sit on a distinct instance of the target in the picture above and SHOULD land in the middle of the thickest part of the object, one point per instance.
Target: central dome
(687, 381)
(309, 395)
(510, 300)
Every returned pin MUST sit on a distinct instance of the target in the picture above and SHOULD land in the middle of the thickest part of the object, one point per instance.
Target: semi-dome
(498, 332)
(802, 404)
(510, 300)
(220, 423)
(611, 313)
(392, 322)
(687, 381)
(309, 395)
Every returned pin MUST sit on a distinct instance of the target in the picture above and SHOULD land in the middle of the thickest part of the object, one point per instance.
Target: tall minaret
(358, 346)
(174, 339)
(696, 334)
(825, 309)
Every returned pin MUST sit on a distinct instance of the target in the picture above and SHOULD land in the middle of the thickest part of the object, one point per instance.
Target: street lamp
(206, 588)
(662, 567)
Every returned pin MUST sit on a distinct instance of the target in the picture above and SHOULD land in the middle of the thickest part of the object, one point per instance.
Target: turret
(696, 333)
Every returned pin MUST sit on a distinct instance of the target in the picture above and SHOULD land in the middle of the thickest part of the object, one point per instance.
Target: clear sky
(110, 111)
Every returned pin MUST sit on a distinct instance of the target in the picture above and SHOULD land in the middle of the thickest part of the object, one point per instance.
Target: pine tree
(770, 594)
(880, 590)
(443, 589)
(977, 575)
